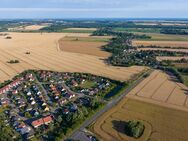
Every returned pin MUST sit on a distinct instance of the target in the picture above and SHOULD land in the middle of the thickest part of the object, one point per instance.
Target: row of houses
(42, 121)
(13, 84)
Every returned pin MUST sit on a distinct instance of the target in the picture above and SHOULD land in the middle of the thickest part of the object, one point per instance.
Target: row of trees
(110, 32)
(174, 31)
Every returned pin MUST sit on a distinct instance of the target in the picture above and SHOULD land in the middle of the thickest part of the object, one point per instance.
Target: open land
(165, 49)
(46, 55)
(89, 45)
(161, 58)
(161, 43)
(163, 89)
(28, 28)
(165, 37)
(79, 30)
(161, 123)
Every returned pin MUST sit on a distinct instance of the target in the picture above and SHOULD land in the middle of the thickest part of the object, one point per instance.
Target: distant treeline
(173, 31)
(58, 26)
(110, 32)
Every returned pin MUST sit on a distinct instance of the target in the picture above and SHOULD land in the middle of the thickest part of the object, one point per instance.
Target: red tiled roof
(37, 123)
(47, 119)
(42, 121)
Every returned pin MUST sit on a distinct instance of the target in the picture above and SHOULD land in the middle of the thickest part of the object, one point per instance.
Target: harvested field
(28, 28)
(165, 49)
(45, 55)
(89, 45)
(173, 58)
(161, 43)
(161, 88)
(161, 124)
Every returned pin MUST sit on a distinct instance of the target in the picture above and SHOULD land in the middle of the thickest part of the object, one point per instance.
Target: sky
(93, 9)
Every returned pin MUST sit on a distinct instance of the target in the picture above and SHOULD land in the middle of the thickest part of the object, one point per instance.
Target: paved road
(79, 133)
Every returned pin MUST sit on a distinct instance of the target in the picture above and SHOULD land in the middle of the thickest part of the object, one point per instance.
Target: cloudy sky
(93, 9)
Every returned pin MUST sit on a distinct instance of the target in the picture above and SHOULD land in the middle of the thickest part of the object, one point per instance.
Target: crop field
(45, 55)
(161, 43)
(164, 37)
(79, 30)
(161, 58)
(161, 123)
(163, 89)
(28, 28)
(87, 45)
(165, 49)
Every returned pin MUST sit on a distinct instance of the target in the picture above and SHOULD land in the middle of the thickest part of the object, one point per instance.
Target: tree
(59, 119)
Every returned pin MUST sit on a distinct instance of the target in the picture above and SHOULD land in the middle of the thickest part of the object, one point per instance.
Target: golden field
(161, 123)
(45, 54)
(28, 28)
(159, 102)
(165, 49)
(161, 43)
(162, 89)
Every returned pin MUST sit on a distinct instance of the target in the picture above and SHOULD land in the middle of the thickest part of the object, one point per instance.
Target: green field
(143, 30)
(164, 37)
(154, 33)
(76, 31)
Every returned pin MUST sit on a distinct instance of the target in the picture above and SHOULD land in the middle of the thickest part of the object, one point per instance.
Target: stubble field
(161, 124)
(161, 43)
(159, 102)
(46, 55)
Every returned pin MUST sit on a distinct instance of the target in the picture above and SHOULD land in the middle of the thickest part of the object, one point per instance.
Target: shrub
(13, 61)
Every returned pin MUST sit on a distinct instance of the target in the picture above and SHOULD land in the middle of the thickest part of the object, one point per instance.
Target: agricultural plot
(79, 30)
(161, 124)
(45, 54)
(161, 58)
(165, 49)
(162, 89)
(28, 28)
(161, 43)
(165, 37)
(89, 45)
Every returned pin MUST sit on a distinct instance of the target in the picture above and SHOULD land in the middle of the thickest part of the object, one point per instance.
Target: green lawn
(87, 84)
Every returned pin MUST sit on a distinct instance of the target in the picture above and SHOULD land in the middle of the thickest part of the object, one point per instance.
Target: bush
(134, 128)
(13, 61)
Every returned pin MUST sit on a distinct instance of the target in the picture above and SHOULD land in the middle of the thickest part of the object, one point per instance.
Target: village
(35, 102)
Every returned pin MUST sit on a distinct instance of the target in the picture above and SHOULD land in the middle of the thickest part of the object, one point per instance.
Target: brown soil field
(161, 43)
(44, 54)
(84, 46)
(162, 89)
(161, 123)
(165, 49)
(161, 58)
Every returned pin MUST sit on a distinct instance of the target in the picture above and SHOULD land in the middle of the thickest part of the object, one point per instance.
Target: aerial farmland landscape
(94, 70)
